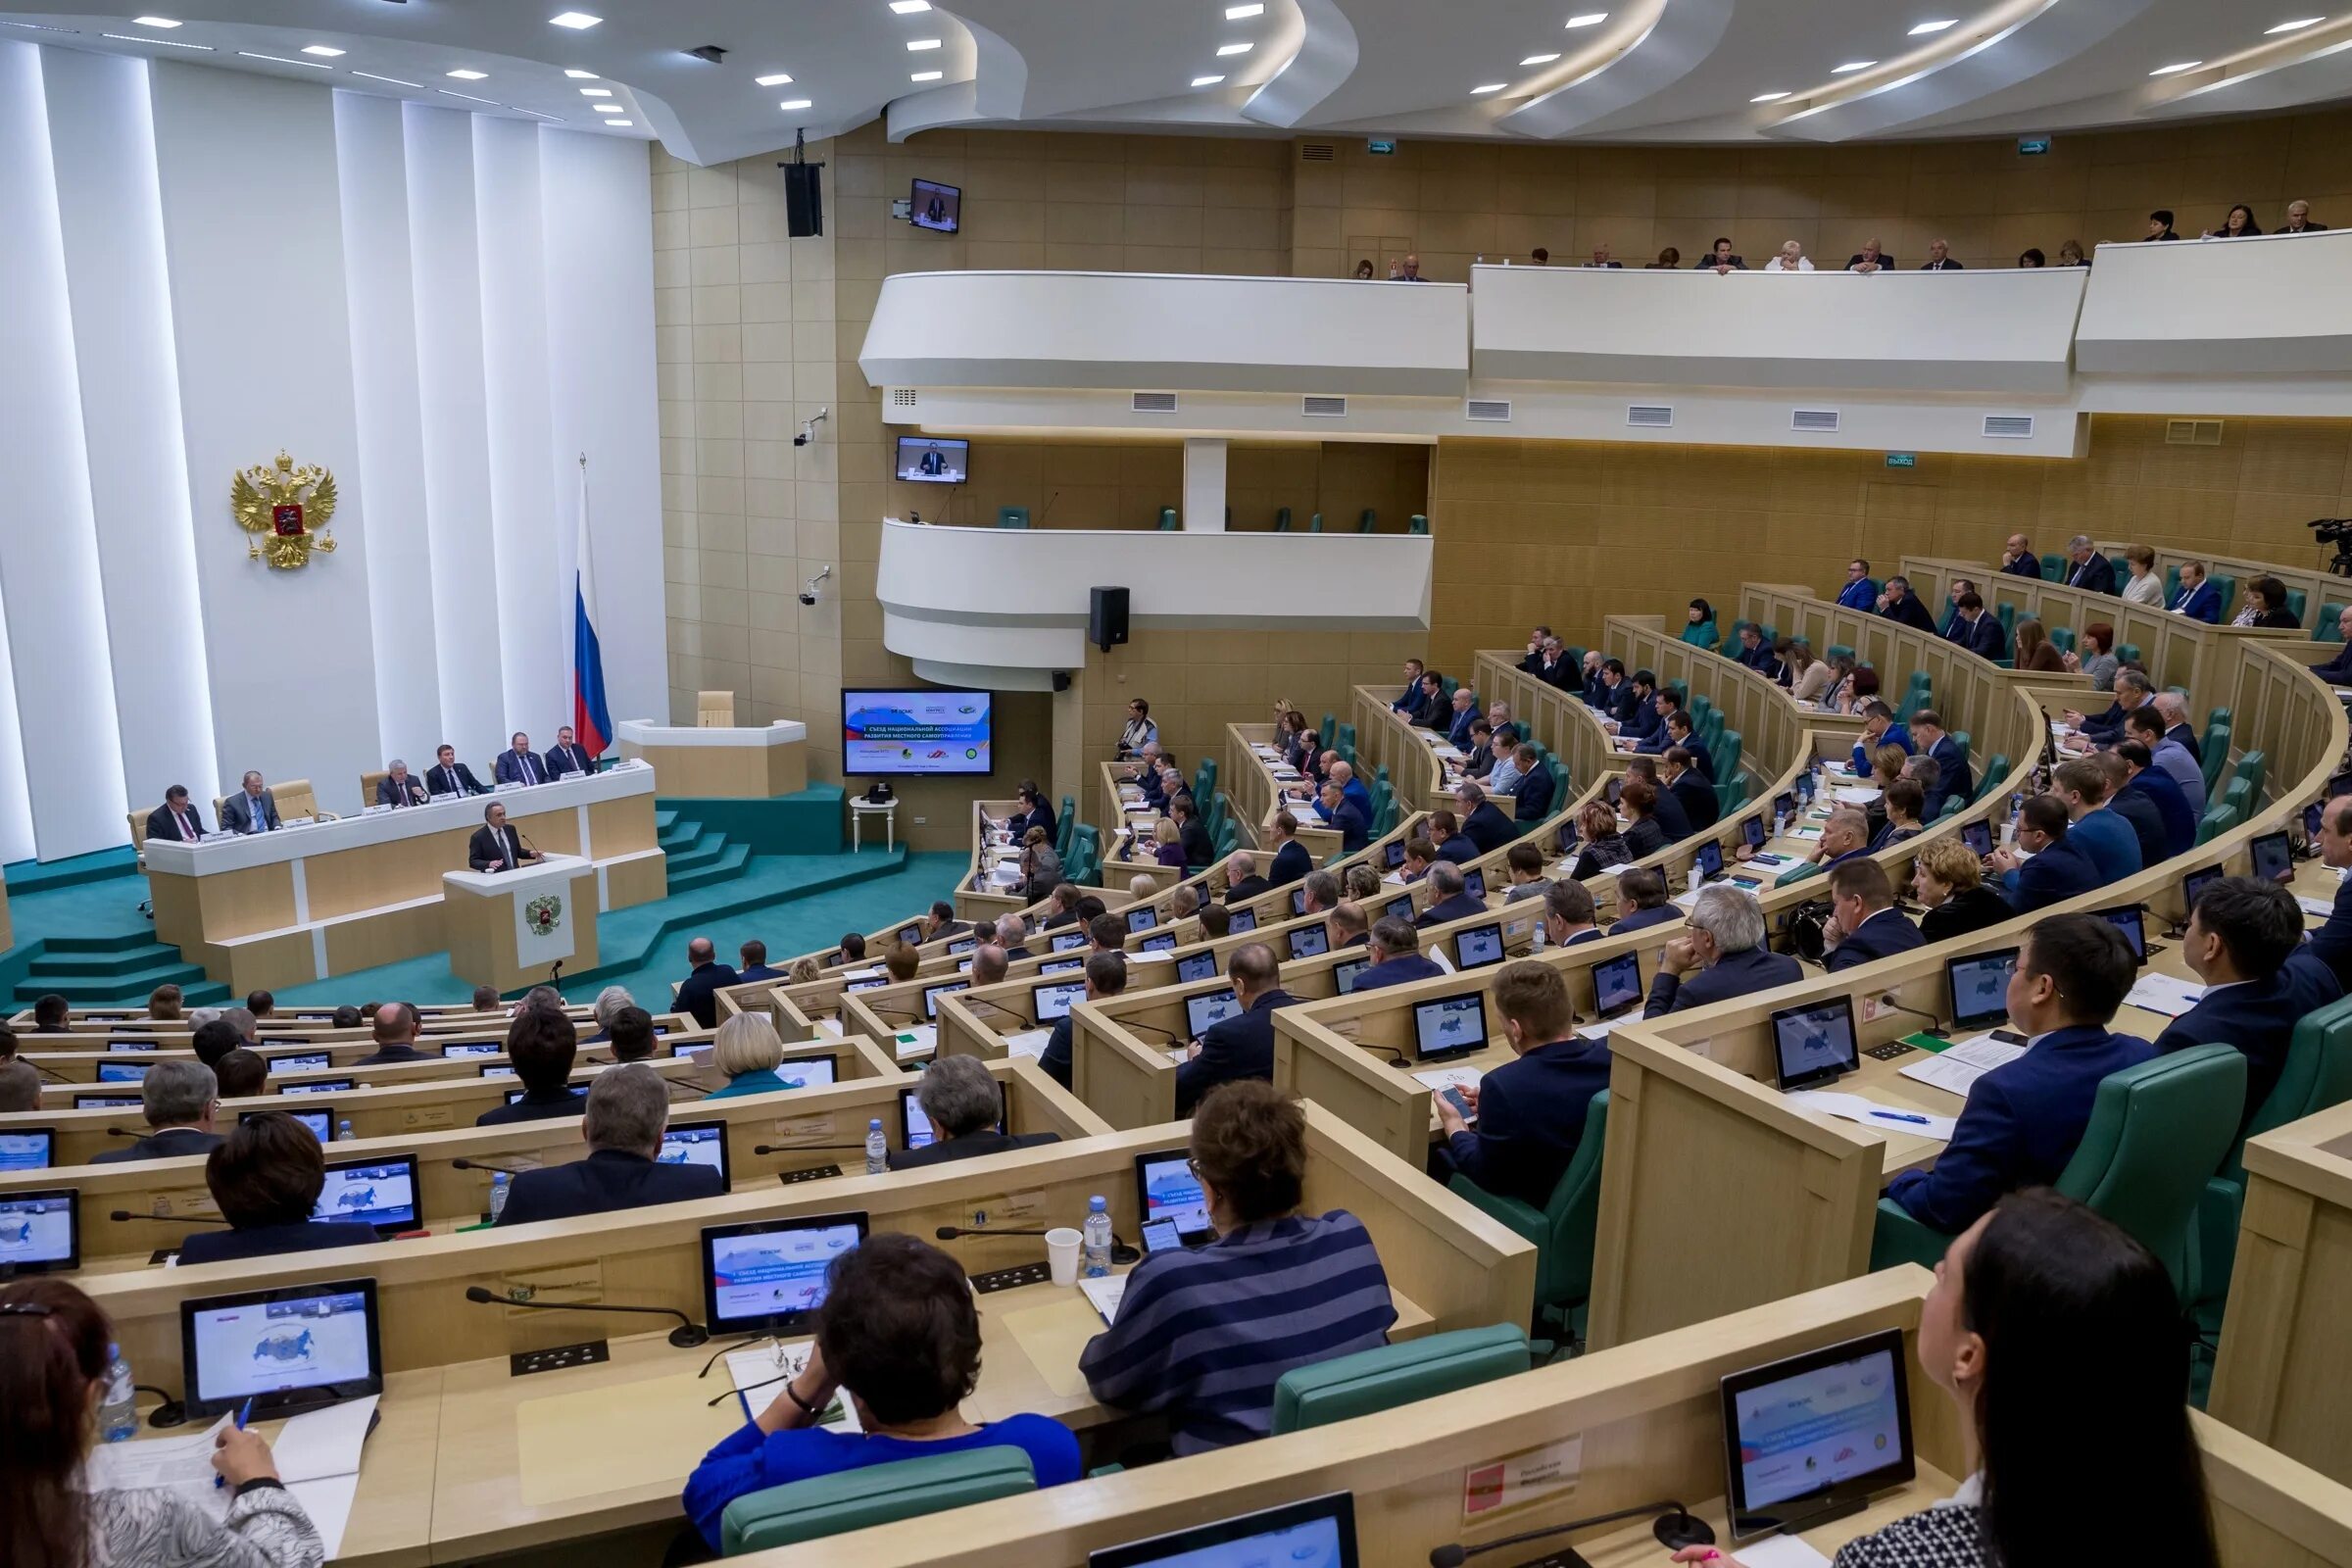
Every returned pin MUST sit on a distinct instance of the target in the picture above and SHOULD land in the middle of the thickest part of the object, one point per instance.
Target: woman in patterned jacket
(53, 1361)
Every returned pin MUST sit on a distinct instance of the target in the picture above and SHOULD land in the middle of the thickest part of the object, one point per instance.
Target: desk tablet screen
(1169, 1193)
(498, 1070)
(1298, 900)
(37, 1233)
(1200, 1012)
(1567, 838)
(2195, 883)
(1400, 907)
(319, 1123)
(913, 1122)
(1242, 920)
(1049, 1002)
(932, 994)
(1393, 853)
(306, 1062)
(772, 1271)
(514, 1096)
(149, 1044)
(1481, 945)
(1450, 1025)
(867, 985)
(812, 1072)
(1815, 1043)
(963, 944)
(700, 1142)
(2273, 860)
(1753, 830)
(1474, 883)
(2127, 920)
(1344, 973)
(381, 1193)
(1142, 919)
(1068, 940)
(121, 1072)
(319, 1086)
(474, 1047)
(1980, 988)
(1068, 965)
(1805, 1435)
(1978, 837)
(28, 1149)
(1317, 1534)
(1310, 940)
(1165, 942)
(1710, 859)
(1616, 984)
(282, 1349)
(1195, 966)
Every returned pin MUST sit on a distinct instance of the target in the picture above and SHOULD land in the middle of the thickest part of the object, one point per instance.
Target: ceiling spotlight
(1225, 49)
(1926, 28)
(926, 75)
(1850, 66)
(1539, 60)
(1207, 81)
(281, 60)
(394, 81)
(469, 76)
(916, 46)
(153, 22)
(2293, 26)
(323, 51)
(596, 92)
(1243, 13)
(1590, 19)
(1491, 86)
(583, 76)
(578, 20)
(794, 103)
(608, 109)
(2175, 70)
(908, 8)
(620, 124)
(1768, 98)
(779, 79)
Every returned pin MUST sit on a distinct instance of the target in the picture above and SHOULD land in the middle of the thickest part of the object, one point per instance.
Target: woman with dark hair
(1701, 628)
(53, 1361)
(2058, 1340)
(2266, 605)
(900, 1338)
(1363, 271)
(2033, 256)
(542, 1044)
(2035, 650)
(1668, 259)
(2095, 655)
(266, 1176)
(2237, 226)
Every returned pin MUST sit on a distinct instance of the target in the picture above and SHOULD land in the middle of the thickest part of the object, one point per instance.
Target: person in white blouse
(1791, 259)
(2143, 587)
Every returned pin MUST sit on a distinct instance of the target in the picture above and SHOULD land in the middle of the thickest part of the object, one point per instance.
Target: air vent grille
(2192, 432)
(905, 397)
(1318, 152)
(2008, 427)
(1323, 408)
(1155, 403)
(1489, 411)
(1650, 416)
(1819, 421)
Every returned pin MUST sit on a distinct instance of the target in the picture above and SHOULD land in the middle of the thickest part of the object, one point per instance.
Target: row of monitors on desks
(294, 1061)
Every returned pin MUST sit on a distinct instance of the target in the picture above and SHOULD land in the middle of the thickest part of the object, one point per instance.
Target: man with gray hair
(1183, 903)
(1465, 709)
(1322, 892)
(2086, 568)
(609, 1002)
(177, 1099)
(958, 1097)
(2173, 709)
(1242, 881)
(1450, 897)
(397, 787)
(247, 1026)
(2132, 689)
(1722, 955)
(200, 1016)
(1483, 823)
(629, 1107)
(988, 964)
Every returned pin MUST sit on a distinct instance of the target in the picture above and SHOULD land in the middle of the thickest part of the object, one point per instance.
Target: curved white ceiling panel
(1326, 57)
(1683, 34)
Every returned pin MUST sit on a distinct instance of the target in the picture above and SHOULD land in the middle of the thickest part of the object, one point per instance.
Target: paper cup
(1061, 1254)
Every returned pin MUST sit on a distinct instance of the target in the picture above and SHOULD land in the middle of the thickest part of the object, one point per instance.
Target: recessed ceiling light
(1491, 86)
(469, 97)
(2293, 26)
(1590, 19)
(580, 20)
(596, 92)
(583, 76)
(620, 124)
(916, 46)
(281, 60)
(132, 37)
(608, 109)
(1539, 60)
(394, 81)
(1207, 81)
(794, 103)
(1243, 13)
(926, 75)
(323, 51)
(469, 76)
(1225, 49)
(908, 8)
(153, 22)
(1850, 66)
(1926, 28)
(2175, 70)
(778, 79)
(1768, 98)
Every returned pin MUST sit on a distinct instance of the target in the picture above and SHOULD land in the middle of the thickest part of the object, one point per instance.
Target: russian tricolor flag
(590, 719)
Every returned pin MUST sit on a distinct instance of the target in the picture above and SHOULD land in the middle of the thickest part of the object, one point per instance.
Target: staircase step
(128, 961)
(663, 816)
(114, 941)
(726, 866)
(678, 836)
(706, 848)
(135, 987)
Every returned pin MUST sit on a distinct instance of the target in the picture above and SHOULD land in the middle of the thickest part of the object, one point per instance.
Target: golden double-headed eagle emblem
(286, 508)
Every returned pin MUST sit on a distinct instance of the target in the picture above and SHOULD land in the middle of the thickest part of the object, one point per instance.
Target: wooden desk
(724, 763)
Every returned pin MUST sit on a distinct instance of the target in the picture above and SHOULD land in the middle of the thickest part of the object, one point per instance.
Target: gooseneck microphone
(476, 1165)
(687, 1335)
(124, 1215)
(1163, 1032)
(1676, 1527)
(1121, 1252)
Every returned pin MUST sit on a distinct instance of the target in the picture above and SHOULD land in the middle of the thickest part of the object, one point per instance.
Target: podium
(509, 928)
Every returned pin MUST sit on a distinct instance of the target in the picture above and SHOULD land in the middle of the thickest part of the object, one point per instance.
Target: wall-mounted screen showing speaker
(936, 207)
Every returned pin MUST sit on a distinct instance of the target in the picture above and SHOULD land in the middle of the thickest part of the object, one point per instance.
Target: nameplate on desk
(1523, 1479)
(183, 1202)
(1016, 1210)
(421, 1117)
(817, 1127)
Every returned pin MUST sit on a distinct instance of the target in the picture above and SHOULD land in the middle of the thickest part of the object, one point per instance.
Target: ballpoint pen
(244, 1415)
(1897, 1115)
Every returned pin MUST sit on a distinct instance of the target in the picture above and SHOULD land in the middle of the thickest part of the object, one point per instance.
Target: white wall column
(1203, 485)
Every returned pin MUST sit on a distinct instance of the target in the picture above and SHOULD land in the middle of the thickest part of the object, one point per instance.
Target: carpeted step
(724, 866)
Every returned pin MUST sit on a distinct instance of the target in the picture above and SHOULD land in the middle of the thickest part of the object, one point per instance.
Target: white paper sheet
(2161, 993)
(2323, 908)
(1029, 1042)
(321, 1444)
(1441, 1078)
(919, 1040)
(1957, 1068)
(1106, 1292)
(761, 1373)
(1781, 1552)
(1876, 1114)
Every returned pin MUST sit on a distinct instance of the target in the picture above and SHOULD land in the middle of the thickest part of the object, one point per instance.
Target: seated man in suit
(1952, 775)
(1347, 926)
(2337, 671)
(1569, 915)
(178, 1098)
(1459, 720)
(1534, 658)
(251, 809)
(2173, 709)
(2086, 568)
(627, 1110)
(2113, 847)
(1063, 906)
(2197, 598)
(497, 846)
(1450, 897)
(2133, 692)
(2331, 943)
(1979, 630)
(1680, 731)
(569, 756)
(398, 788)
(1242, 881)
(2176, 762)
(961, 1102)
(1755, 653)
(2018, 558)
(2243, 942)
(1900, 603)
(1879, 728)
(1691, 789)
(541, 1042)
(265, 1176)
(2137, 808)
(2143, 780)
(1483, 824)
(394, 1030)
(2044, 867)
(1445, 835)
(1480, 747)
(177, 818)
(1430, 709)
(753, 954)
(1641, 900)
(1532, 802)
(1658, 715)
(1524, 861)
(1395, 949)
(1722, 955)
(630, 1033)
(1864, 923)
(1411, 694)
(1242, 1046)
(941, 922)
(1193, 833)
(1857, 593)
(448, 777)
(1359, 796)
(1665, 809)
(2024, 1118)
(519, 764)
(1291, 860)
(1870, 259)
(1529, 1112)
(1105, 976)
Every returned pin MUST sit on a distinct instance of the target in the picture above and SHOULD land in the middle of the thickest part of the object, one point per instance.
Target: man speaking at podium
(496, 847)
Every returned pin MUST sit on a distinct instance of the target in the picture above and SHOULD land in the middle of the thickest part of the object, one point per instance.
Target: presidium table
(308, 903)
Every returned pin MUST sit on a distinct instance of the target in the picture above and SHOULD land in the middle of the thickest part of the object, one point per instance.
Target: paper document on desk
(318, 1458)
(1602, 1029)
(1029, 1042)
(1105, 1290)
(1440, 1079)
(2323, 908)
(1871, 1113)
(1957, 1068)
(761, 1375)
(919, 1041)
(1436, 955)
(2161, 993)
(172, 1464)
(1781, 1552)
(1857, 796)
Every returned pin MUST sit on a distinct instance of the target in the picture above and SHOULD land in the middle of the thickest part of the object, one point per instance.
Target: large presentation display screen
(915, 732)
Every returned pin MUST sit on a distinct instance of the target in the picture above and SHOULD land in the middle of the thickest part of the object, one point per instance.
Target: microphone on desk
(120, 1215)
(692, 1089)
(1675, 1529)
(1121, 1252)
(1165, 1033)
(53, 1077)
(1935, 1024)
(687, 1335)
(123, 1132)
(794, 1148)
(475, 1164)
(904, 1015)
(999, 1008)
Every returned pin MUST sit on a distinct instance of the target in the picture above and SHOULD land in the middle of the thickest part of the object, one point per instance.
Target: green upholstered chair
(2172, 583)
(2062, 638)
(1314, 523)
(2157, 1133)
(1371, 1382)
(1167, 520)
(1345, 743)
(2216, 756)
(1997, 773)
(2226, 587)
(1369, 522)
(1069, 826)
(2217, 820)
(1418, 523)
(1960, 738)
(877, 1494)
(2239, 796)
(1329, 731)
(2007, 615)
(1726, 754)
(1565, 1230)
(2254, 768)
(1838, 651)
(2297, 601)
(1085, 864)
(1282, 520)
(1013, 516)
(2053, 568)
(2212, 715)
(2129, 653)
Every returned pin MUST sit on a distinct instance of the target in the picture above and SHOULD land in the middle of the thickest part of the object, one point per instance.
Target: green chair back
(2296, 602)
(2129, 653)
(2007, 615)
(2053, 568)
(877, 1494)
(2226, 587)
(1167, 520)
(1085, 864)
(2157, 1132)
(1726, 753)
(2217, 820)
(1345, 743)
(2062, 638)
(1329, 732)
(1314, 523)
(1838, 651)
(2253, 768)
(1565, 1230)
(2172, 583)
(2216, 756)
(1069, 826)
(1371, 1382)
(1282, 520)
(1418, 523)
(2240, 798)
(1996, 771)
(1369, 522)
(1013, 516)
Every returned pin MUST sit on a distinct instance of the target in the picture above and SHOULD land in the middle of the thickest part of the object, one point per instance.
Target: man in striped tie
(521, 765)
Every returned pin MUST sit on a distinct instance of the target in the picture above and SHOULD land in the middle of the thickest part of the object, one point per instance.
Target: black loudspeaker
(803, 200)
(1107, 617)
(1062, 680)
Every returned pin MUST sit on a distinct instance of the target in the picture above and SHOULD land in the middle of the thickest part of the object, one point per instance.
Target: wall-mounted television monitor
(918, 734)
(934, 460)
(936, 207)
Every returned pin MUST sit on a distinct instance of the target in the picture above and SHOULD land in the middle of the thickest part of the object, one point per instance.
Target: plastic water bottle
(343, 1132)
(1094, 1251)
(877, 1148)
(497, 1195)
(118, 1416)
(1541, 936)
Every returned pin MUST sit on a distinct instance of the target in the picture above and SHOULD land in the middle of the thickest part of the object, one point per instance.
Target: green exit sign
(1381, 146)
(2032, 146)
(1902, 460)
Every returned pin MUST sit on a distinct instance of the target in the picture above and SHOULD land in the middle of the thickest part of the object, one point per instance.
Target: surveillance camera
(808, 592)
(809, 428)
